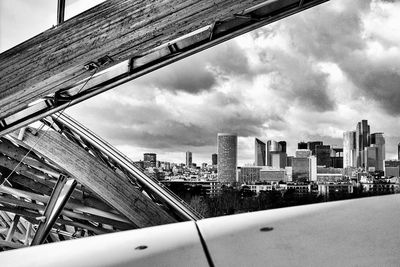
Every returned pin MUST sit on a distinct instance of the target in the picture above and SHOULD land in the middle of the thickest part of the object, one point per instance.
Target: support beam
(13, 227)
(115, 190)
(59, 197)
(131, 30)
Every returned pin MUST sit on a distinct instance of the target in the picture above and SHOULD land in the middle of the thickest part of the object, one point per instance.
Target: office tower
(214, 159)
(349, 149)
(313, 168)
(302, 145)
(271, 147)
(337, 158)
(312, 145)
(323, 154)
(303, 153)
(398, 151)
(300, 169)
(189, 159)
(282, 146)
(370, 158)
(392, 168)
(362, 141)
(278, 159)
(227, 157)
(289, 161)
(378, 141)
(150, 160)
(260, 155)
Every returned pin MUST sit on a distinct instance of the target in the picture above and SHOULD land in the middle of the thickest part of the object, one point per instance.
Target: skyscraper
(271, 146)
(189, 159)
(378, 141)
(362, 141)
(282, 146)
(398, 151)
(302, 145)
(150, 160)
(349, 149)
(227, 157)
(214, 158)
(312, 146)
(370, 158)
(260, 156)
(323, 154)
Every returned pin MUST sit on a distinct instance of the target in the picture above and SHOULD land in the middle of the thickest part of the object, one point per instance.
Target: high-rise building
(349, 149)
(271, 147)
(189, 159)
(398, 151)
(300, 169)
(150, 160)
(302, 145)
(278, 159)
(362, 141)
(214, 159)
(282, 146)
(323, 154)
(378, 141)
(312, 145)
(227, 157)
(303, 153)
(260, 153)
(370, 158)
(337, 158)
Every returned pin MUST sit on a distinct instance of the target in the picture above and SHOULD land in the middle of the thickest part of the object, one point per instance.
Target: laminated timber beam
(46, 73)
(113, 189)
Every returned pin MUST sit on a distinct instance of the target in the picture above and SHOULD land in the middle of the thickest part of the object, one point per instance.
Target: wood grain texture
(113, 189)
(120, 29)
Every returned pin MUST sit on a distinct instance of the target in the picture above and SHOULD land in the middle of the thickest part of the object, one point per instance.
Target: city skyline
(297, 79)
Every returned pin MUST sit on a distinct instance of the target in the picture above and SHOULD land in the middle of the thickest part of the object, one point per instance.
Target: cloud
(308, 77)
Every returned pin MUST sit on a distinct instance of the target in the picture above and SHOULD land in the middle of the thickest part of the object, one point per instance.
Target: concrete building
(272, 146)
(214, 159)
(269, 174)
(278, 159)
(227, 157)
(378, 141)
(303, 153)
(313, 145)
(259, 153)
(249, 174)
(330, 189)
(149, 160)
(189, 159)
(337, 157)
(301, 169)
(349, 149)
(329, 175)
(370, 158)
(323, 154)
(302, 145)
(392, 168)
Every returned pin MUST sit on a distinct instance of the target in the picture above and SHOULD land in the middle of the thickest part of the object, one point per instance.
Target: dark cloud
(201, 71)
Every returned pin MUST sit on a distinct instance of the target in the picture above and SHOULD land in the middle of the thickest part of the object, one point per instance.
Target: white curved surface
(361, 232)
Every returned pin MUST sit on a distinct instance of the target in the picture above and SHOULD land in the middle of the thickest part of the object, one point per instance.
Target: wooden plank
(120, 29)
(115, 190)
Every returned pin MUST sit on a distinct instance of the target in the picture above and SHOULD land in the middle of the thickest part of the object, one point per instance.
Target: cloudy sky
(308, 77)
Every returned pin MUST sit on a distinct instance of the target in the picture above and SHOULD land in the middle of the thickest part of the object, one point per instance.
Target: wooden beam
(115, 190)
(13, 227)
(120, 29)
